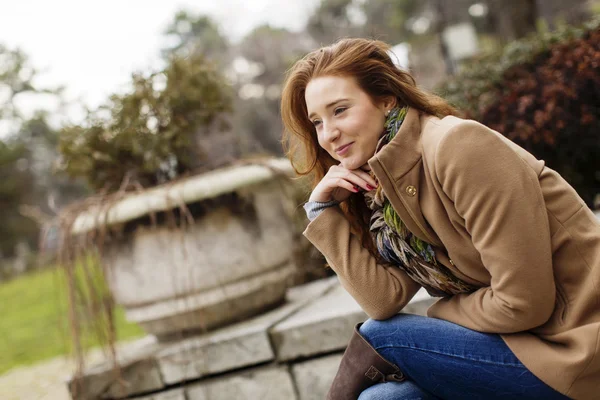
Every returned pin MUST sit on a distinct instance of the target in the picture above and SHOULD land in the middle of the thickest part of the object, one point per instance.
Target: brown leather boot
(362, 366)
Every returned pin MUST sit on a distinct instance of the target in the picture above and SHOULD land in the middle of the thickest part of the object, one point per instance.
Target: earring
(387, 113)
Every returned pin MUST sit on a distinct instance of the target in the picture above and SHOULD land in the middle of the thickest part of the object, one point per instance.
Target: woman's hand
(339, 183)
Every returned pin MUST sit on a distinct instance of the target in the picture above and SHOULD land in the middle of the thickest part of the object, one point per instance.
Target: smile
(343, 149)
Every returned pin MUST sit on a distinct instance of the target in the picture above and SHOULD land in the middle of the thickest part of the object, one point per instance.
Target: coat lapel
(399, 167)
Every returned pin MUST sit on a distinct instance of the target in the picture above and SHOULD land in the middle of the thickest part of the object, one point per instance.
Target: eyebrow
(333, 103)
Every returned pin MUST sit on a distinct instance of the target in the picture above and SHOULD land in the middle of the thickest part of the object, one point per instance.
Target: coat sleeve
(500, 199)
(381, 290)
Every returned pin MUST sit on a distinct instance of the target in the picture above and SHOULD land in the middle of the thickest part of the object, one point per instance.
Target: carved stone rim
(189, 190)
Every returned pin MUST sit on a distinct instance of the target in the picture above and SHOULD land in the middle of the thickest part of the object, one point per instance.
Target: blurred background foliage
(30, 190)
(150, 134)
(542, 92)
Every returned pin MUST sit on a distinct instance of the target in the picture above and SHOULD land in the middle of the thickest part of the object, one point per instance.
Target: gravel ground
(47, 380)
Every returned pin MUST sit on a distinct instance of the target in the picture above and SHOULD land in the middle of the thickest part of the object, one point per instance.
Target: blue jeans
(442, 360)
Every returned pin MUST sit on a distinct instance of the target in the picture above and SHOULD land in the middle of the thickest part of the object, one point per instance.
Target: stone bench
(291, 352)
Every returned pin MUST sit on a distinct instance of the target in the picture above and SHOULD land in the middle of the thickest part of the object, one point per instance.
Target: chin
(352, 163)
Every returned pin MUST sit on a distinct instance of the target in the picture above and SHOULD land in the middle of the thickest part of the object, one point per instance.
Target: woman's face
(347, 121)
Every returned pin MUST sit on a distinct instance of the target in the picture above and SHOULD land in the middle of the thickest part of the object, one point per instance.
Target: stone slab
(269, 383)
(236, 346)
(138, 373)
(326, 324)
(135, 377)
(323, 326)
(313, 377)
(140, 376)
(175, 394)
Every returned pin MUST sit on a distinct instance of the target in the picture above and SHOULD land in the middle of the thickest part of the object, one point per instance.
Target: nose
(330, 131)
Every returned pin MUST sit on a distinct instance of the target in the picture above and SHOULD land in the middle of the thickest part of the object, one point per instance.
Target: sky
(92, 47)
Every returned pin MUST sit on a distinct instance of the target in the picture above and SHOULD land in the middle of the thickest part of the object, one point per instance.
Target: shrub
(150, 135)
(543, 93)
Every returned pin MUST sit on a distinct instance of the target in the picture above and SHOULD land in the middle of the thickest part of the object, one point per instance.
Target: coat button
(411, 190)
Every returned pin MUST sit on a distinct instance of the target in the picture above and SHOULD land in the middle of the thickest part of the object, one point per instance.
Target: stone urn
(232, 258)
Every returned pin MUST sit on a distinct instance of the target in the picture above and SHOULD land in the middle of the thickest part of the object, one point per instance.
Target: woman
(405, 196)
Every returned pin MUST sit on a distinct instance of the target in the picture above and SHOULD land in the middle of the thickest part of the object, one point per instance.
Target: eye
(339, 110)
(316, 122)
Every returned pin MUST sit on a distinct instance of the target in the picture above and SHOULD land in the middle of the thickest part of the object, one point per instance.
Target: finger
(365, 180)
(345, 184)
(366, 177)
(353, 178)
(356, 177)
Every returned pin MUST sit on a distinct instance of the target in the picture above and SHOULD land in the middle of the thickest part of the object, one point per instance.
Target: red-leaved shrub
(543, 93)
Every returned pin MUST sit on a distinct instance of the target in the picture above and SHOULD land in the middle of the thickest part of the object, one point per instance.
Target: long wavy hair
(369, 63)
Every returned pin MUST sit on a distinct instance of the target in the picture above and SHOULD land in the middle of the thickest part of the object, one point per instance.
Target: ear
(389, 102)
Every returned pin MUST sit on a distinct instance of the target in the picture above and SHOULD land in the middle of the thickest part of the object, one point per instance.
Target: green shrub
(542, 92)
(151, 134)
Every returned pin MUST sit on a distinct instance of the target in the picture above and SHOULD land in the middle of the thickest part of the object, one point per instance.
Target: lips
(342, 149)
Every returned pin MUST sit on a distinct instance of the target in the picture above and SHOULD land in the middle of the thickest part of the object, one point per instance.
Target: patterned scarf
(397, 245)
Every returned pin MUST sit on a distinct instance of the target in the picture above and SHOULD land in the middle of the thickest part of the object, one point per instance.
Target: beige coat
(499, 218)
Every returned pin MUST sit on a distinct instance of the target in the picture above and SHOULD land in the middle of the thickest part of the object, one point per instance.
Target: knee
(394, 390)
(377, 392)
(372, 327)
(377, 332)
(382, 332)
(373, 393)
(376, 327)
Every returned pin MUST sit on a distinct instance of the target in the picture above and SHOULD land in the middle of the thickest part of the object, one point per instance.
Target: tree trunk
(440, 26)
(514, 18)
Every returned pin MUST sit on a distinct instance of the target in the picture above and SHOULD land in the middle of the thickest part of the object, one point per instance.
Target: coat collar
(404, 150)
(399, 168)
